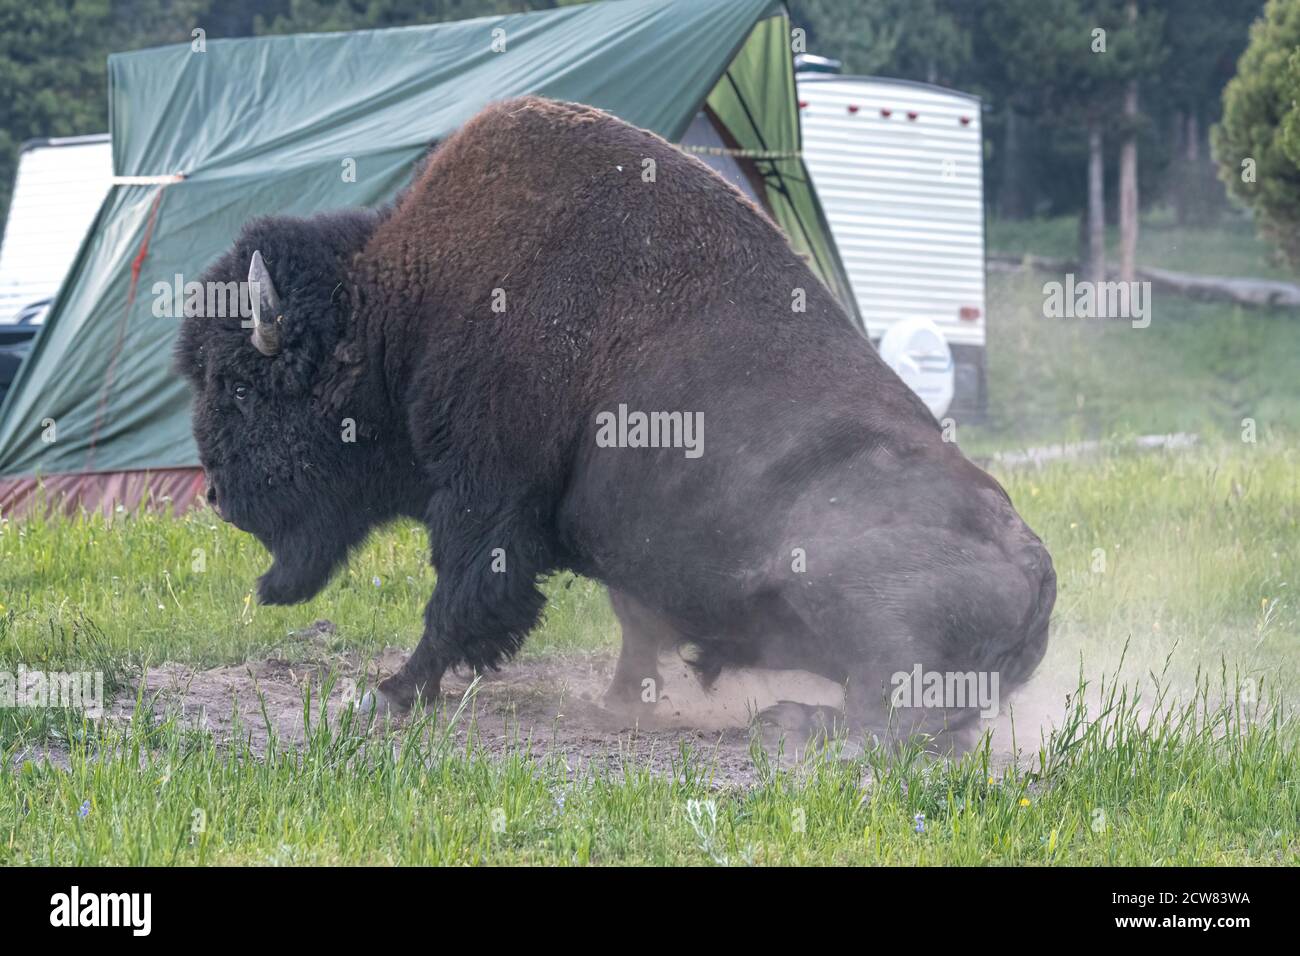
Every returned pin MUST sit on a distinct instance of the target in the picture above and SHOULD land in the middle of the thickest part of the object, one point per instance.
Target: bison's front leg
(485, 604)
(420, 677)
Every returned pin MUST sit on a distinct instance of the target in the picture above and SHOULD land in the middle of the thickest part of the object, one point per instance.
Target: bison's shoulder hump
(531, 127)
(534, 111)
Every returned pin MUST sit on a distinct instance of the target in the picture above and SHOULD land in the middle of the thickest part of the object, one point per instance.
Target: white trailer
(59, 187)
(898, 167)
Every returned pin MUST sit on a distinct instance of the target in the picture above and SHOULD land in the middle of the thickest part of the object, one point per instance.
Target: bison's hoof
(377, 703)
(625, 699)
(788, 716)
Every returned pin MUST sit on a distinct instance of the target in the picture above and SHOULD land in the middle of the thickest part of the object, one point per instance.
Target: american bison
(555, 359)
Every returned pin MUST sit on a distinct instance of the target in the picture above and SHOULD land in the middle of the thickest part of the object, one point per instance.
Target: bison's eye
(241, 392)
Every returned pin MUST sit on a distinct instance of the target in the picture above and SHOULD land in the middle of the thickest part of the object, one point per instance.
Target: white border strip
(146, 180)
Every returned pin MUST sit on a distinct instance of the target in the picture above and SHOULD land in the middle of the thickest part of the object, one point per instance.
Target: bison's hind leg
(646, 634)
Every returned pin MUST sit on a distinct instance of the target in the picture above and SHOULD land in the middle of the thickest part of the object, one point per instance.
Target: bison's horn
(266, 308)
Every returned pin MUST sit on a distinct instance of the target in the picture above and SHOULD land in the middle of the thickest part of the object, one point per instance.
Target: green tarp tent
(204, 140)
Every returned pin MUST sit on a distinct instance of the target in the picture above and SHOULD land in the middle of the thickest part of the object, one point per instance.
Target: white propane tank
(919, 353)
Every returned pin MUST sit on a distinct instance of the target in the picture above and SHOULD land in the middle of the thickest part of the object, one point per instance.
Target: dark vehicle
(16, 342)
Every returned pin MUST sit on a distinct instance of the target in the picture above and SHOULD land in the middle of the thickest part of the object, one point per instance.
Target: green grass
(1199, 367)
(1193, 783)
(1182, 564)
(1191, 555)
(164, 588)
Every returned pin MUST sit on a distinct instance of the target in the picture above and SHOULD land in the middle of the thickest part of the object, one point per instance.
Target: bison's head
(290, 444)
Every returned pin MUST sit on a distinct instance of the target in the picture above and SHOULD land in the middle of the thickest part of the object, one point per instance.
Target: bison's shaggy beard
(296, 574)
(306, 554)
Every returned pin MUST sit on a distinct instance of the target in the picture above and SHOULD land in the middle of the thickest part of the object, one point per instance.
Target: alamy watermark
(212, 300)
(1085, 299)
(946, 689)
(633, 429)
(76, 690)
(133, 911)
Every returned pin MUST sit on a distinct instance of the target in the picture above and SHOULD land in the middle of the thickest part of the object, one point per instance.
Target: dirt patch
(549, 706)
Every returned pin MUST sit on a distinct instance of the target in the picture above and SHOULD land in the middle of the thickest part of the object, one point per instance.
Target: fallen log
(1045, 454)
(1253, 293)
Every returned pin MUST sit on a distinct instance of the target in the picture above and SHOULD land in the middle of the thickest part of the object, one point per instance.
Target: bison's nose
(212, 498)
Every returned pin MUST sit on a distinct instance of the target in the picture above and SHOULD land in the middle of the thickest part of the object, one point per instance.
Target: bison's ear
(267, 318)
(336, 388)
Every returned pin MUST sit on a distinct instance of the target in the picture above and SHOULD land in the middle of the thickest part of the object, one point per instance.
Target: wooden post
(1128, 173)
(1096, 203)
